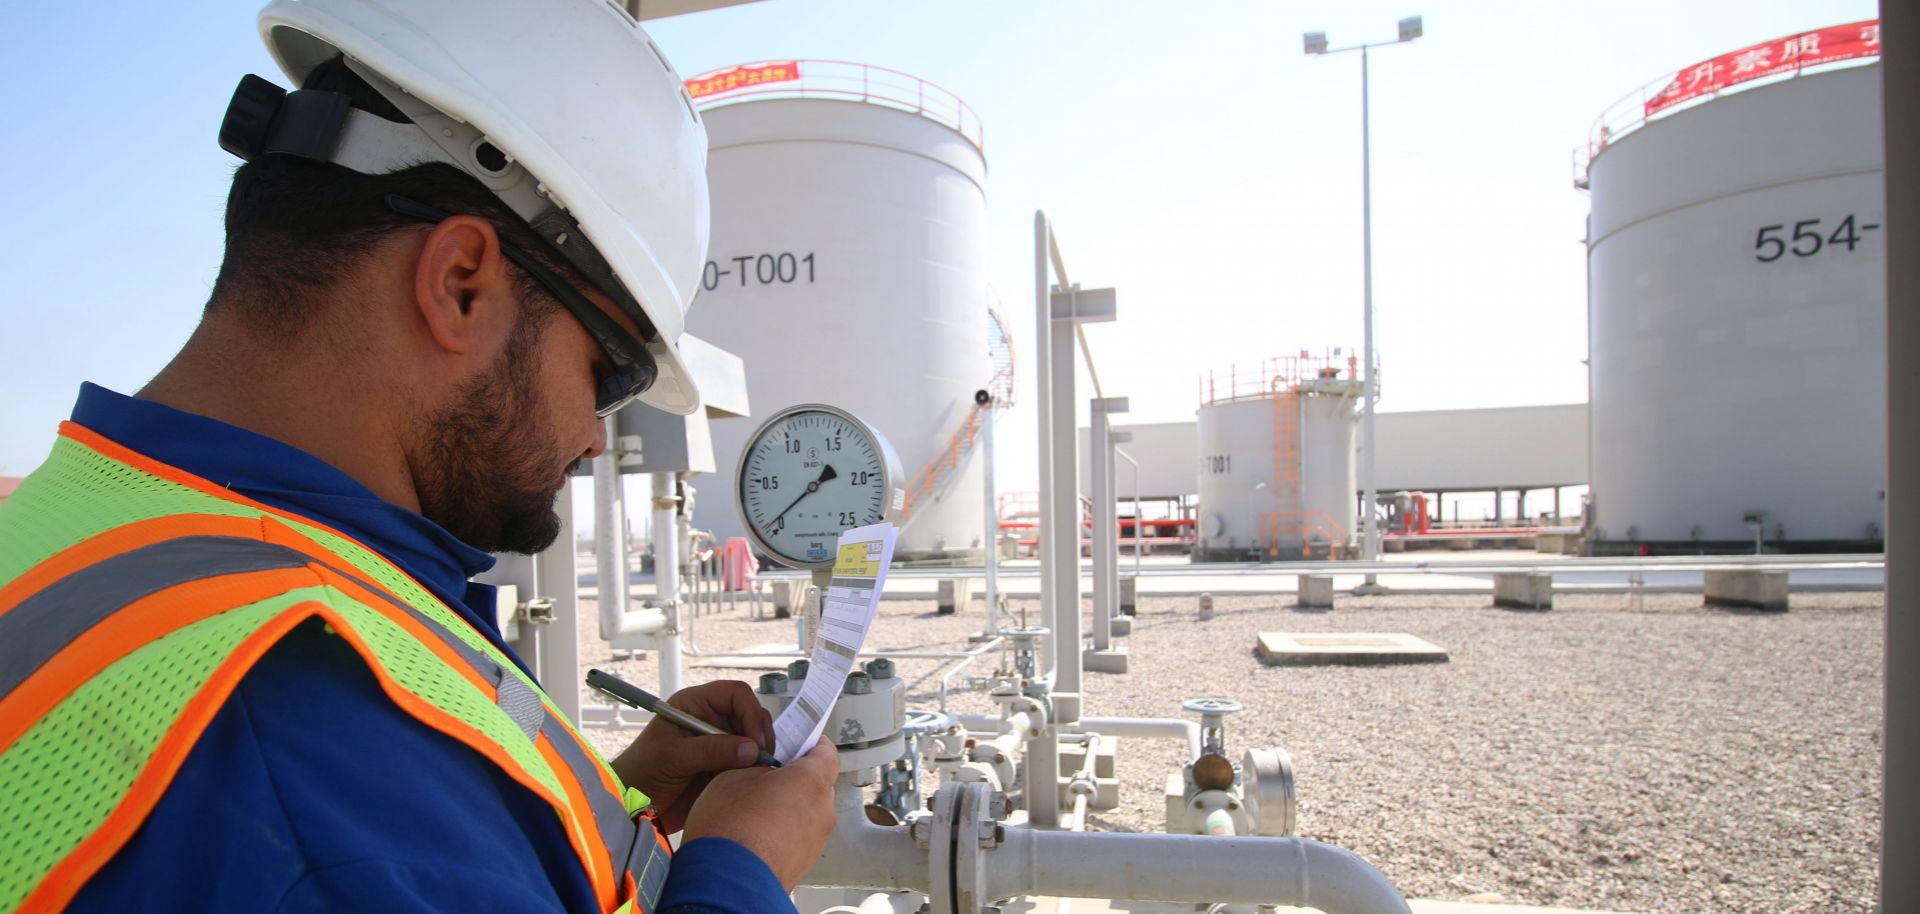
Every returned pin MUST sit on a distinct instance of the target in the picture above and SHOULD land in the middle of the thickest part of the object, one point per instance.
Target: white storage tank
(1737, 295)
(847, 267)
(1276, 462)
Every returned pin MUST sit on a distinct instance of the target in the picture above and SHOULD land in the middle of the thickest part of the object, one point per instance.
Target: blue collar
(293, 480)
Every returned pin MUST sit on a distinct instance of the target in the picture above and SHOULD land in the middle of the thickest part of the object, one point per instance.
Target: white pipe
(1188, 868)
(1144, 867)
(608, 537)
(860, 854)
(990, 557)
(1043, 413)
(666, 585)
(1147, 728)
(876, 903)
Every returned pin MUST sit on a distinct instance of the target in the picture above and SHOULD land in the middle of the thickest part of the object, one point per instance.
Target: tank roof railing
(1661, 97)
(1275, 375)
(843, 80)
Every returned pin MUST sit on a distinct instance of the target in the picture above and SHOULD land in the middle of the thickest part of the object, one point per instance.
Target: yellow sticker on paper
(858, 560)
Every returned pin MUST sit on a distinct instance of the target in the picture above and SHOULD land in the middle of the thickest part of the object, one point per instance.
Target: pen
(628, 693)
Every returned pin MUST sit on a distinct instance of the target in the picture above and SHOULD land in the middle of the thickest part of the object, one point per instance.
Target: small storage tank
(1737, 296)
(1276, 462)
(847, 267)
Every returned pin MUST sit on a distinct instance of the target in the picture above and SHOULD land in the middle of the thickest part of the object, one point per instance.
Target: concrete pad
(1749, 589)
(1517, 590)
(1314, 591)
(1122, 625)
(1112, 660)
(1129, 592)
(1347, 648)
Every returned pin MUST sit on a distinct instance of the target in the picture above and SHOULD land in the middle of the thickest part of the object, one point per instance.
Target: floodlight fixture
(1316, 42)
(1410, 28)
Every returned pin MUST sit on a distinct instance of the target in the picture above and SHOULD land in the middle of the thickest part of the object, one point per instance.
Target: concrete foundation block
(1748, 589)
(1348, 648)
(1315, 591)
(1122, 626)
(788, 597)
(1129, 593)
(1460, 545)
(1112, 660)
(1519, 590)
(956, 594)
(1204, 607)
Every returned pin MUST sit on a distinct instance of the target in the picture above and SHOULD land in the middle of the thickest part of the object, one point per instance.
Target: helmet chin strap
(264, 119)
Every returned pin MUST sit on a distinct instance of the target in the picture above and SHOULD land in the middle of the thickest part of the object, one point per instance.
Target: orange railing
(1275, 376)
(845, 80)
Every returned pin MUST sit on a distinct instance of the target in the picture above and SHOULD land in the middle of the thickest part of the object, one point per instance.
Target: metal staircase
(932, 481)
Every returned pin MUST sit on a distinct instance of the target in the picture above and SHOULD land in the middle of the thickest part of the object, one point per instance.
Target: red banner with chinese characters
(776, 71)
(1781, 55)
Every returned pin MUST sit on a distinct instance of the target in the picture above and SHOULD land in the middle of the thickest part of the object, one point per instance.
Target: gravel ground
(1665, 759)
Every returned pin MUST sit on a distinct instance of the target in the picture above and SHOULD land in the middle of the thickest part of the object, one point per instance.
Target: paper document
(859, 576)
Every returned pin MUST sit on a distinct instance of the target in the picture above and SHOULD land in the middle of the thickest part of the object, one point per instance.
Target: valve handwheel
(1220, 706)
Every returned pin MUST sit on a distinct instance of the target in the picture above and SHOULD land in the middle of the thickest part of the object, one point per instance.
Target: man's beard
(490, 477)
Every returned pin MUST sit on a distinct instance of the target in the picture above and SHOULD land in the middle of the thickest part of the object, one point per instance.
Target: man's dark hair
(296, 228)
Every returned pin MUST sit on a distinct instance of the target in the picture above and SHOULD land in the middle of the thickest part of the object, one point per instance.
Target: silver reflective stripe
(519, 700)
(44, 624)
(649, 864)
(609, 813)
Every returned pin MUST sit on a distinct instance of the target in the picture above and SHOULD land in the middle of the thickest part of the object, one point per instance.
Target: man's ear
(462, 288)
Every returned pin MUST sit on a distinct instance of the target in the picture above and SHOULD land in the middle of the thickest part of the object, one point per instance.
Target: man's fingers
(728, 704)
(822, 761)
(702, 754)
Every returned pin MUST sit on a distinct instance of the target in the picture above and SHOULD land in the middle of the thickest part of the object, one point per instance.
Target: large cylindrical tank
(1737, 295)
(847, 266)
(1276, 474)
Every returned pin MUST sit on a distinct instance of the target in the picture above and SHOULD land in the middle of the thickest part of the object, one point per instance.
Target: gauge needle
(826, 473)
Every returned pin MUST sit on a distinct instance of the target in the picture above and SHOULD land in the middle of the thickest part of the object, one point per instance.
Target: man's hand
(673, 766)
(782, 815)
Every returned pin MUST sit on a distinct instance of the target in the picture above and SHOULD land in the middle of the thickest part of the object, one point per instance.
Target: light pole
(1316, 44)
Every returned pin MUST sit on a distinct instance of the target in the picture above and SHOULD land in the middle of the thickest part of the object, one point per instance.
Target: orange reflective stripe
(120, 540)
(428, 714)
(135, 625)
(606, 774)
(585, 838)
(72, 872)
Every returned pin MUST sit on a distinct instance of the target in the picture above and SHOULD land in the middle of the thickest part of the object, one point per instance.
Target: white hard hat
(598, 134)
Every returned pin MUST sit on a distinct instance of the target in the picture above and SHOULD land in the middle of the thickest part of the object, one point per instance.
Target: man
(241, 664)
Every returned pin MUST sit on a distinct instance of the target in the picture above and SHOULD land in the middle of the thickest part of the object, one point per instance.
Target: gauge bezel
(890, 480)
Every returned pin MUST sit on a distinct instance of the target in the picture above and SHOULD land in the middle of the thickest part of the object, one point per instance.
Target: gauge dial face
(808, 476)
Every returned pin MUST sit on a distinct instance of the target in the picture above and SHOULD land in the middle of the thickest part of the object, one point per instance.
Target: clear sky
(1190, 155)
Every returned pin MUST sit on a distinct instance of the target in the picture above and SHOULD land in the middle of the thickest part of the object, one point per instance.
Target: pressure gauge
(811, 473)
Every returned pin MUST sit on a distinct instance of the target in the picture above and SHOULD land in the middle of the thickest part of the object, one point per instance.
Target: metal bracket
(538, 610)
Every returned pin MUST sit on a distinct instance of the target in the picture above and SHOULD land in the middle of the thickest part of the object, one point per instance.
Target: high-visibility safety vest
(133, 598)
